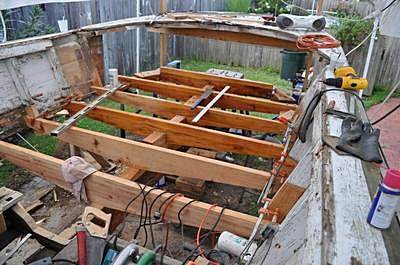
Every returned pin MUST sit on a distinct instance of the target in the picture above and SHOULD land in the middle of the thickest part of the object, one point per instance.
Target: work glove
(360, 140)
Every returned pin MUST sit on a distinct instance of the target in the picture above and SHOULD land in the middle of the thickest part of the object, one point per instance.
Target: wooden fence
(120, 48)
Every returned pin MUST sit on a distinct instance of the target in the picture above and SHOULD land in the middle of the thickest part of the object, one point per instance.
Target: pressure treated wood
(181, 134)
(198, 79)
(115, 193)
(157, 159)
(228, 101)
(214, 117)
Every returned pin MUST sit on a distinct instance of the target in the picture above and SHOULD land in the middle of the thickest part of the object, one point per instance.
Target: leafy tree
(238, 5)
(275, 7)
(34, 26)
(351, 29)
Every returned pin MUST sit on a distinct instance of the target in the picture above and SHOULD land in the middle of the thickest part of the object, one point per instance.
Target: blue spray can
(386, 201)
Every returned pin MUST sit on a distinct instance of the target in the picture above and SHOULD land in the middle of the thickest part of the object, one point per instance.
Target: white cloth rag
(74, 170)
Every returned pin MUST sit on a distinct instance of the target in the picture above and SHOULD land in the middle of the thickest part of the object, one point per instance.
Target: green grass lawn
(266, 74)
(378, 95)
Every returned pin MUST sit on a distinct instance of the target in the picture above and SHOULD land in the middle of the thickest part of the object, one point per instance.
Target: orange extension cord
(313, 42)
(199, 232)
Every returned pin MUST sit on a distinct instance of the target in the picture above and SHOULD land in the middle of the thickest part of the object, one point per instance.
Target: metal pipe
(371, 48)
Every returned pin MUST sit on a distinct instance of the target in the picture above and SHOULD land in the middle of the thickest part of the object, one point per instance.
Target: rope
(313, 42)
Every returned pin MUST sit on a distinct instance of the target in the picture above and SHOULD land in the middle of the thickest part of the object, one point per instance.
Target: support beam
(157, 159)
(241, 37)
(214, 117)
(228, 101)
(115, 193)
(181, 134)
(198, 79)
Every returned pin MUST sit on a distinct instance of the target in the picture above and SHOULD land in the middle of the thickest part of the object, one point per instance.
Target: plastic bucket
(292, 62)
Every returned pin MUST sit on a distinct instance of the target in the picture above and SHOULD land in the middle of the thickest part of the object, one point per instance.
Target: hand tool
(80, 114)
(4, 259)
(347, 82)
(346, 78)
(209, 105)
(130, 250)
(81, 244)
(203, 97)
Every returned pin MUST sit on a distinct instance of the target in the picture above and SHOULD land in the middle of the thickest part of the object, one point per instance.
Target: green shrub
(275, 7)
(35, 26)
(238, 5)
(350, 29)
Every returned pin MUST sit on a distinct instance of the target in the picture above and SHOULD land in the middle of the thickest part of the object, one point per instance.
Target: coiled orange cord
(199, 232)
(313, 42)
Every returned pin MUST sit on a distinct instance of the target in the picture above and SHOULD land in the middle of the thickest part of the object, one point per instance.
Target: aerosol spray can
(386, 201)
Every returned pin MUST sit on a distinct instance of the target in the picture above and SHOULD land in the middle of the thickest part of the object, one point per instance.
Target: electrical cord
(124, 221)
(306, 119)
(144, 205)
(141, 216)
(165, 201)
(204, 238)
(388, 6)
(180, 212)
(64, 261)
(149, 215)
(386, 115)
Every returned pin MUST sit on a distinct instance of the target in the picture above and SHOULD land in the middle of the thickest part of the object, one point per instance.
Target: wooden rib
(154, 158)
(115, 193)
(285, 198)
(198, 79)
(242, 37)
(152, 74)
(181, 134)
(228, 101)
(214, 117)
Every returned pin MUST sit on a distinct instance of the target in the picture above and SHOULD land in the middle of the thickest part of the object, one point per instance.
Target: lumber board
(181, 134)
(214, 117)
(241, 37)
(238, 86)
(156, 138)
(285, 198)
(115, 193)
(151, 74)
(228, 101)
(155, 158)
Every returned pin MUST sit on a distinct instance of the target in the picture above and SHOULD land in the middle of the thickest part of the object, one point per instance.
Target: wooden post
(309, 57)
(163, 36)
(319, 7)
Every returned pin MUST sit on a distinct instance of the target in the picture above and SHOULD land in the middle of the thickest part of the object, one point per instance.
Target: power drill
(346, 78)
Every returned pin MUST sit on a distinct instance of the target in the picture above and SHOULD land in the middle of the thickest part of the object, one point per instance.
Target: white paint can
(234, 245)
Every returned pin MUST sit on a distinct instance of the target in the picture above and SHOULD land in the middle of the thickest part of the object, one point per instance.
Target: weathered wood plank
(241, 37)
(154, 158)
